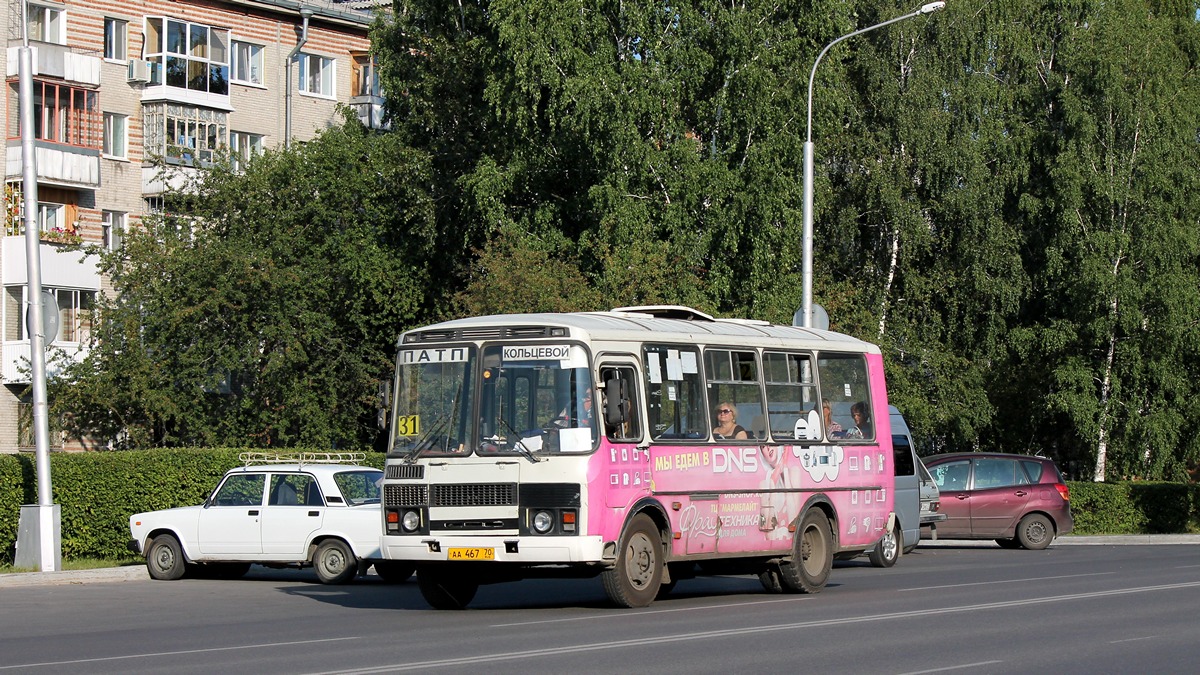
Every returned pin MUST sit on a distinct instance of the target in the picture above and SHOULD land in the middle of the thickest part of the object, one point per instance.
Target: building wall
(334, 31)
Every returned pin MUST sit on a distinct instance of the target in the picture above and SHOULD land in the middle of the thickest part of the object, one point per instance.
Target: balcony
(51, 60)
(58, 164)
(369, 110)
(60, 269)
(16, 363)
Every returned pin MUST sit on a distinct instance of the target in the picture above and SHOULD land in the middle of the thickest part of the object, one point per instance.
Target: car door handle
(314, 513)
(961, 496)
(1021, 493)
(252, 512)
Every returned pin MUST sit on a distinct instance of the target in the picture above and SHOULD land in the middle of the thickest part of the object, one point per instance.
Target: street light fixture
(928, 8)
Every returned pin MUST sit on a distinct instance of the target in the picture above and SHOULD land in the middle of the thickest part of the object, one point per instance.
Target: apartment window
(242, 146)
(247, 63)
(114, 229)
(63, 114)
(115, 32)
(316, 75)
(188, 55)
(183, 134)
(115, 135)
(74, 312)
(46, 24)
(52, 217)
(366, 76)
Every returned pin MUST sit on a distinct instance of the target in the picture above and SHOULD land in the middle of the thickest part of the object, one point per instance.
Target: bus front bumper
(521, 550)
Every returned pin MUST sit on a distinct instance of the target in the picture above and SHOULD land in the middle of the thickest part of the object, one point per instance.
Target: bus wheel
(812, 555)
(887, 549)
(443, 589)
(635, 580)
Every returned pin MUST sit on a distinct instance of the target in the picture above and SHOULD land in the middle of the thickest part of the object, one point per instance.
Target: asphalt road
(945, 608)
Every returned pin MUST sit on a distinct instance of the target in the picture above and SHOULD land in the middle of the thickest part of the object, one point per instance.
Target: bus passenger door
(621, 423)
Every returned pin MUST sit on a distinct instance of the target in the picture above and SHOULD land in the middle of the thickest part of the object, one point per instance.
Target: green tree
(262, 308)
(1118, 252)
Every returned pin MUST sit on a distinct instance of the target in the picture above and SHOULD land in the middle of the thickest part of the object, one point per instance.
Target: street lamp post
(928, 8)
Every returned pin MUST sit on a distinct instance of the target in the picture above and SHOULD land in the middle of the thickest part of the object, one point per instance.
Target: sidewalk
(138, 572)
(100, 575)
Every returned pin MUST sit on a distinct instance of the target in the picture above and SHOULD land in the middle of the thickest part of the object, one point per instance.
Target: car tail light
(1063, 491)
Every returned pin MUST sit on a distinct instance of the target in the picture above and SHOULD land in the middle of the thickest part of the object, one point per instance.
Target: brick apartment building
(122, 84)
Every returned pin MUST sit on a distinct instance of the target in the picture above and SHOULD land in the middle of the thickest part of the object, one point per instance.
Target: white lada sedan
(278, 510)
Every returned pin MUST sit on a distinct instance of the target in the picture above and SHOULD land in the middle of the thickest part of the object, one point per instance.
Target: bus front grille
(405, 495)
(473, 494)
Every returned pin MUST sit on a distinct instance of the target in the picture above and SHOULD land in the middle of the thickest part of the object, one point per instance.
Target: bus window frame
(735, 384)
(703, 435)
(867, 397)
(619, 361)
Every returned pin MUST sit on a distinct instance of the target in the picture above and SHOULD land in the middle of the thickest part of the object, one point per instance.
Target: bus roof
(668, 323)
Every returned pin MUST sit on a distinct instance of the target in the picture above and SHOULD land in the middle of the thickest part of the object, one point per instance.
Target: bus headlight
(411, 521)
(543, 521)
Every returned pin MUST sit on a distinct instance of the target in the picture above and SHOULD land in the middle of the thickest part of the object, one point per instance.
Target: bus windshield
(433, 401)
(536, 398)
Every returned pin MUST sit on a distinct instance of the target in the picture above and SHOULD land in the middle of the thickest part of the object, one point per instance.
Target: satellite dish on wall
(49, 318)
(820, 318)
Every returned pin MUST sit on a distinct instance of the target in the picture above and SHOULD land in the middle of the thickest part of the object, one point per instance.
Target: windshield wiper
(519, 445)
(427, 440)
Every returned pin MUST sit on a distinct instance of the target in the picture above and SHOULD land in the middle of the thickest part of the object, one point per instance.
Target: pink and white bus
(590, 444)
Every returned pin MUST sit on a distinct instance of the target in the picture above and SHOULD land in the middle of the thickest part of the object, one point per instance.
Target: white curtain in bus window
(653, 368)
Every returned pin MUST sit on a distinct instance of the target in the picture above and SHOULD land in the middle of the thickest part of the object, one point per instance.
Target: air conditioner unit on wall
(139, 71)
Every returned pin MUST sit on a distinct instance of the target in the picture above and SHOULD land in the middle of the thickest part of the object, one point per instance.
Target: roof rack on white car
(260, 458)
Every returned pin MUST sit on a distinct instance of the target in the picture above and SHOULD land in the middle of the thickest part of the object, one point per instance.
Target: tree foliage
(1004, 192)
(261, 308)
(1006, 201)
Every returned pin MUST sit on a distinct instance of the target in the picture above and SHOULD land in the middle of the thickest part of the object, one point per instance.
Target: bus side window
(623, 423)
(733, 378)
(675, 393)
(791, 392)
(843, 379)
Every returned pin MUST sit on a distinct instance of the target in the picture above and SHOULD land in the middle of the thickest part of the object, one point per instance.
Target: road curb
(101, 575)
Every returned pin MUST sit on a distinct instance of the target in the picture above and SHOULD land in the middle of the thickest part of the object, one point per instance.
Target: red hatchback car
(1018, 500)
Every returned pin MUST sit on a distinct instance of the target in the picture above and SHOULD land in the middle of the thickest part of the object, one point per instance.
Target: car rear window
(1034, 469)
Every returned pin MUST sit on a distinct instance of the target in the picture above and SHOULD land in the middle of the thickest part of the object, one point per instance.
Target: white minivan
(917, 498)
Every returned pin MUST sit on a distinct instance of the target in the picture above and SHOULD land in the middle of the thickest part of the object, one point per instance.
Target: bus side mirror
(383, 405)
(614, 401)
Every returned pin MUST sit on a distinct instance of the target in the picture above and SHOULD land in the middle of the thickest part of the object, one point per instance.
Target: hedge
(98, 491)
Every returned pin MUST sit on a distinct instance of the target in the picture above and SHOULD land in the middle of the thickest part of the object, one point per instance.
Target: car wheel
(635, 579)
(812, 555)
(445, 589)
(1008, 543)
(334, 562)
(1035, 532)
(164, 558)
(394, 571)
(887, 549)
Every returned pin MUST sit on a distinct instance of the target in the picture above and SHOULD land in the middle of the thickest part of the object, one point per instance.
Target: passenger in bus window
(583, 419)
(832, 429)
(727, 426)
(585, 413)
(861, 413)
